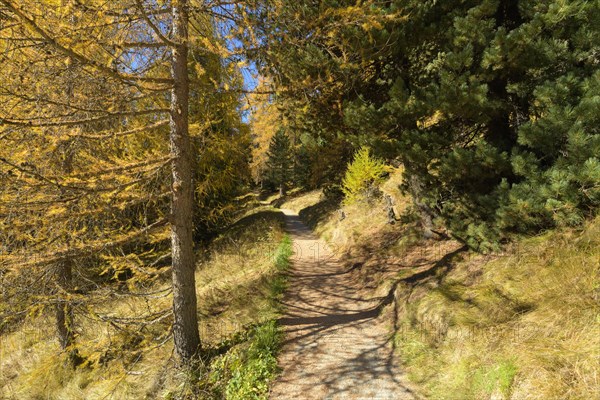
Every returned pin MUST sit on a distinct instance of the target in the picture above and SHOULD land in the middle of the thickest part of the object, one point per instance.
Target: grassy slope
(527, 327)
(237, 286)
(520, 325)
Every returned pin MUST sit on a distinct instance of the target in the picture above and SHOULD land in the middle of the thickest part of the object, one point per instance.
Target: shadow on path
(337, 344)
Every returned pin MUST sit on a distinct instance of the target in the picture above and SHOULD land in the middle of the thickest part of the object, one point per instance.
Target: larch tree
(94, 109)
(265, 120)
(73, 180)
(185, 326)
(220, 136)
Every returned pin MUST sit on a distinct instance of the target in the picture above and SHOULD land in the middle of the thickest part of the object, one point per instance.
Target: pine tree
(302, 166)
(279, 163)
(485, 102)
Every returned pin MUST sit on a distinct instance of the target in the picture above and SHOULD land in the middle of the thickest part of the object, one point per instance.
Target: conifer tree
(265, 120)
(279, 163)
(61, 187)
(362, 176)
(94, 110)
(468, 95)
(302, 166)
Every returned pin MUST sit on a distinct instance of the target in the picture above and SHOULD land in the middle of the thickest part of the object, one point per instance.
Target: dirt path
(336, 346)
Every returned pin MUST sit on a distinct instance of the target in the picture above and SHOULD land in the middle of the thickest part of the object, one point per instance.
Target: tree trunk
(64, 309)
(65, 320)
(424, 210)
(390, 209)
(185, 326)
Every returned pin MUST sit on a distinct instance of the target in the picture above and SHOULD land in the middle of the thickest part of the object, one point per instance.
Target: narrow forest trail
(336, 345)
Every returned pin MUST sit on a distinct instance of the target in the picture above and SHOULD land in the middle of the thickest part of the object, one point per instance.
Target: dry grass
(301, 202)
(363, 219)
(527, 328)
(234, 285)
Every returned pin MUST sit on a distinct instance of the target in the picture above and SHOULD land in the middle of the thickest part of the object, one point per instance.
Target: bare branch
(152, 26)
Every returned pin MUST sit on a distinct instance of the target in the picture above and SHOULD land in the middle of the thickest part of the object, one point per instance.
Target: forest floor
(338, 339)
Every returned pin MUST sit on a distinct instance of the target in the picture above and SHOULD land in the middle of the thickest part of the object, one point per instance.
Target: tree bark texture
(185, 327)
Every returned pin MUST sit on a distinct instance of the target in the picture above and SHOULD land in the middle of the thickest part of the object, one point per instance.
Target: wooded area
(130, 131)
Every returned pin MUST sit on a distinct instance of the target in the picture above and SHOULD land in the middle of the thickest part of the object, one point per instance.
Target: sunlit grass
(237, 282)
(305, 200)
(246, 371)
(520, 325)
(528, 328)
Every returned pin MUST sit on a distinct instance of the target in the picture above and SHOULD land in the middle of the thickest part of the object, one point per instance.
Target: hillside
(518, 324)
(172, 173)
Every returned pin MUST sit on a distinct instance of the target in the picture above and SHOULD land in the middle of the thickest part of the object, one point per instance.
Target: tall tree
(220, 135)
(127, 63)
(279, 162)
(185, 326)
(61, 187)
(266, 120)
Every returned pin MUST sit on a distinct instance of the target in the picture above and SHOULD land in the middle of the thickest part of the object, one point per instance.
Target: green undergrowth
(239, 278)
(528, 327)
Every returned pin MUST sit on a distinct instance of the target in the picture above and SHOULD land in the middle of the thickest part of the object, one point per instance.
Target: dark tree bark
(64, 309)
(65, 316)
(425, 212)
(500, 133)
(185, 327)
